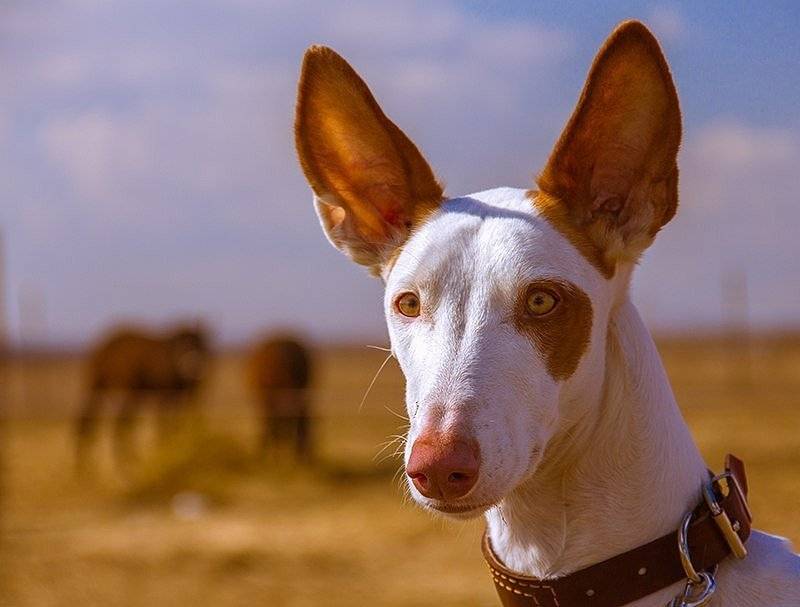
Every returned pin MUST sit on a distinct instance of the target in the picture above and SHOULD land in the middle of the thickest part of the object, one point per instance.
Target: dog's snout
(443, 466)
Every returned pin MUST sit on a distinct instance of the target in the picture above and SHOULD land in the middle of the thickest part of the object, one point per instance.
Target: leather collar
(635, 574)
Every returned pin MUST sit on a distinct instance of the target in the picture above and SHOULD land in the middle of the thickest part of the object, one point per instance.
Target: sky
(149, 172)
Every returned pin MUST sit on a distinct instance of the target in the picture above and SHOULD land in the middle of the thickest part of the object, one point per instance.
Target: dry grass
(204, 523)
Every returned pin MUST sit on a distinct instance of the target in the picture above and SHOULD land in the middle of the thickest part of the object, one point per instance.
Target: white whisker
(381, 348)
(396, 414)
(374, 379)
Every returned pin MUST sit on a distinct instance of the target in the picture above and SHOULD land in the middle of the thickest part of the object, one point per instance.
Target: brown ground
(203, 523)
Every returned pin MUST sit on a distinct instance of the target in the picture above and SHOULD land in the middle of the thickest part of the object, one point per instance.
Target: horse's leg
(167, 406)
(86, 426)
(267, 424)
(123, 428)
(303, 442)
(190, 411)
(284, 420)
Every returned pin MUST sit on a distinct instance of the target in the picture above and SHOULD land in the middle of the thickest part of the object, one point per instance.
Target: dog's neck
(624, 474)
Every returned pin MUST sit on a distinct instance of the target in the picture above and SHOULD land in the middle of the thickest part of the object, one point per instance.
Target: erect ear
(371, 183)
(612, 177)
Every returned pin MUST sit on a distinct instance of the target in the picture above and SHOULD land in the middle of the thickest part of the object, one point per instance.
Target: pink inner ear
(609, 203)
(387, 203)
(394, 217)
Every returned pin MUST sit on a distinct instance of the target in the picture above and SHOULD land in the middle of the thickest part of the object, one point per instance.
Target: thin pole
(4, 394)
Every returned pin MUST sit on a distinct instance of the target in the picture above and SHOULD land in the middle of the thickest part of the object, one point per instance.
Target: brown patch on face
(563, 335)
(551, 209)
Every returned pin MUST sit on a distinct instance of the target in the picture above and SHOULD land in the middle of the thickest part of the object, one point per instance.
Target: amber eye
(541, 302)
(408, 305)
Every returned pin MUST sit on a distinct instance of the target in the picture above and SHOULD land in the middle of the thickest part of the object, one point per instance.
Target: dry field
(203, 522)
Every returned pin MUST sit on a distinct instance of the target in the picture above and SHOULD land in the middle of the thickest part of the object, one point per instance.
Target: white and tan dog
(534, 391)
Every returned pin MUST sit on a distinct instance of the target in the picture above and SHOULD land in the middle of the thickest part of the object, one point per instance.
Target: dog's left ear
(371, 183)
(613, 175)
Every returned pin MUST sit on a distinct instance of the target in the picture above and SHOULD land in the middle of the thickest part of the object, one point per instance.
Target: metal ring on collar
(683, 550)
(696, 594)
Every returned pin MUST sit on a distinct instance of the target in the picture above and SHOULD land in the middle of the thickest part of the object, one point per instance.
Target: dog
(535, 394)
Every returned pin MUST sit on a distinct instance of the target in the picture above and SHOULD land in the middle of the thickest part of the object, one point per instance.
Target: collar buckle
(726, 483)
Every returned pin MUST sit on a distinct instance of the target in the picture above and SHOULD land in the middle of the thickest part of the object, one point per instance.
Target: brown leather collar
(635, 574)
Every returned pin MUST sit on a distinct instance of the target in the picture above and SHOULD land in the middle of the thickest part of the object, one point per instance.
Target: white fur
(572, 472)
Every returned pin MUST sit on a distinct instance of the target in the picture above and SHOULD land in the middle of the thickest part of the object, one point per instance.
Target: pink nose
(443, 466)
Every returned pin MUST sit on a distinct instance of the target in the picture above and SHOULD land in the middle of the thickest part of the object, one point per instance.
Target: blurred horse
(136, 364)
(279, 373)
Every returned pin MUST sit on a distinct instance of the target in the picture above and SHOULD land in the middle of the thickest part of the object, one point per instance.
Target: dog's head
(497, 304)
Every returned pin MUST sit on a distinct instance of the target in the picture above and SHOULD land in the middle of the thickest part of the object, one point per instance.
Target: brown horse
(137, 364)
(279, 372)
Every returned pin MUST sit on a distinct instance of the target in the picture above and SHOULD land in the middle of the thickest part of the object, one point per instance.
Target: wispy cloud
(733, 145)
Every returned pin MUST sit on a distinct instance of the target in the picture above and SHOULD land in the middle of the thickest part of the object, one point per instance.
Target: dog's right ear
(371, 183)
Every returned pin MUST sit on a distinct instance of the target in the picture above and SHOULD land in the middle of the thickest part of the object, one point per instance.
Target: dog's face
(497, 303)
(491, 330)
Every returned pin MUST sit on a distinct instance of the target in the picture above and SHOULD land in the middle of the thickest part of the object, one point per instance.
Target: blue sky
(149, 170)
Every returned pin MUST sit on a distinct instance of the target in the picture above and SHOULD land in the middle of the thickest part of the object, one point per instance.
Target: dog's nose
(442, 466)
